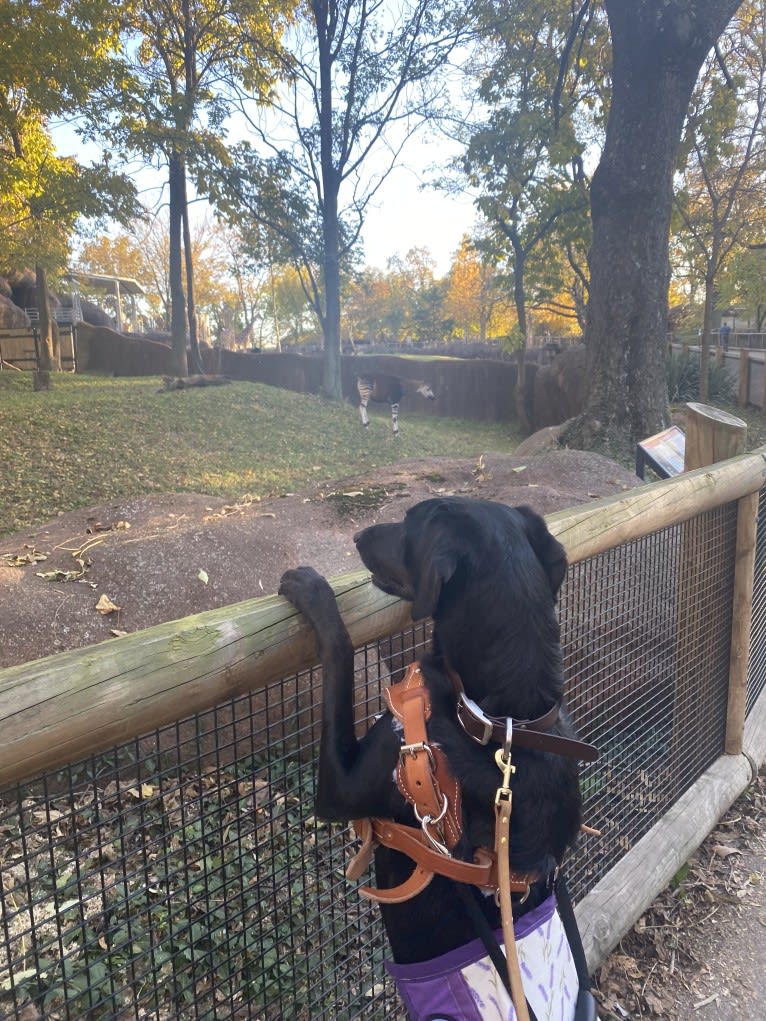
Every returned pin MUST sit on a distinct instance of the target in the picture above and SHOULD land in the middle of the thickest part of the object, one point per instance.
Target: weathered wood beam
(64, 707)
(741, 621)
(603, 524)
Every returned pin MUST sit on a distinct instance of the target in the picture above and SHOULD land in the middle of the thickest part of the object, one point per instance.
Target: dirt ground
(700, 951)
(162, 557)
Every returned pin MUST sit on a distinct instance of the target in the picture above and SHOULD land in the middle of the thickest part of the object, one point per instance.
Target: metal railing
(183, 874)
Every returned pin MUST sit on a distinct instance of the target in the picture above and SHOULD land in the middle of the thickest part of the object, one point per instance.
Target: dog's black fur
(489, 575)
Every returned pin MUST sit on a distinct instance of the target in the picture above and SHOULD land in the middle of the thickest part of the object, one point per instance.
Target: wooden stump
(712, 435)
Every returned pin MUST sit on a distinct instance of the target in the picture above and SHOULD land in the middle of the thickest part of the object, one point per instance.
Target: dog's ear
(435, 572)
(548, 550)
(432, 552)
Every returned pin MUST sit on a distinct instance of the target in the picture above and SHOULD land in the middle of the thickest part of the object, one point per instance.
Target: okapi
(389, 390)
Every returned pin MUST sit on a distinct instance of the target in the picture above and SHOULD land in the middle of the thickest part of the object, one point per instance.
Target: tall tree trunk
(177, 300)
(195, 358)
(707, 331)
(331, 382)
(50, 359)
(658, 49)
(519, 299)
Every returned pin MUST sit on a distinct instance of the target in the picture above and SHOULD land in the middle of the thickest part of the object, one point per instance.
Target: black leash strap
(586, 1004)
(487, 936)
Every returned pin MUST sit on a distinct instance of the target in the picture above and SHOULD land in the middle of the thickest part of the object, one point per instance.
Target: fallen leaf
(724, 850)
(144, 791)
(117, 633)
(105, 605)
(521, 468)
(59, 575)
(23, 559)
(202, 575)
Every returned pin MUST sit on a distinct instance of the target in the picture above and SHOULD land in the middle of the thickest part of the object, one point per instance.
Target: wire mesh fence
(756, 677)
(184, 874)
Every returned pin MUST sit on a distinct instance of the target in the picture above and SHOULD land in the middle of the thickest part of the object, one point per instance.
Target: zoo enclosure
(160, 857)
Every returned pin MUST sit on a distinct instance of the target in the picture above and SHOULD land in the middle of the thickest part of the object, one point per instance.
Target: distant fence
(745, 365)
(477, 389)
(160, 857)
(19, 348)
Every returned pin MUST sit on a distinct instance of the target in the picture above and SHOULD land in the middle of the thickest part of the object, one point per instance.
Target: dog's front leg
(344, 790)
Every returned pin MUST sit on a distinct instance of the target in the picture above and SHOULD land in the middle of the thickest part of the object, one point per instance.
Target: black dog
(489, 575)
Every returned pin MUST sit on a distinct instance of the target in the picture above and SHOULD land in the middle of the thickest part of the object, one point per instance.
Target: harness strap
(423, 775)
(481, 872)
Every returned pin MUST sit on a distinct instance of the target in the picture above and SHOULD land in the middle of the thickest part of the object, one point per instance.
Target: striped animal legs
(395, 418)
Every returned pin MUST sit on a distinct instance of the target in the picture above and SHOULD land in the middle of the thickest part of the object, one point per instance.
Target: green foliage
(96, 438)
(42, 194)
(683, 381)
(539, 82)
(722, 163)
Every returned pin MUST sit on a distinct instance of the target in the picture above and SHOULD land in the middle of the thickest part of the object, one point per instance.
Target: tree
(724, 158)
(188, 53)
(43, 195)
(475, 299)
(658, 49)
(362, 79)
(526, 157)
(141, 252)
(743, 282)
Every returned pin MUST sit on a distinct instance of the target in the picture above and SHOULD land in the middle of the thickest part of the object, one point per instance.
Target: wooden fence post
(744, 376)
(711, 435)
(742, 617)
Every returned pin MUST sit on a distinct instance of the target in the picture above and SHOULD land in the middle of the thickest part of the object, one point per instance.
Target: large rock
(11, 316)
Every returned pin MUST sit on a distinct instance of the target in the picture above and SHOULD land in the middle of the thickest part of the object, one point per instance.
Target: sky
(407, 212)
(408, 216)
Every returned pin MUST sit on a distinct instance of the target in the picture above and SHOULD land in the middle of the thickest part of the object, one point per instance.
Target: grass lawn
(92, 439)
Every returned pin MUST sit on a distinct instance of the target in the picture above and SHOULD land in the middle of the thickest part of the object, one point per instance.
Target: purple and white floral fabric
(463, 984)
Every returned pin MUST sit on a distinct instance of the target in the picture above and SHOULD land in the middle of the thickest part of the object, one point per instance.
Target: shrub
(683, 378)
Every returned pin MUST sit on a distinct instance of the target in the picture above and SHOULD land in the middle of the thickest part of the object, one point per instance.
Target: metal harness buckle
(430, 820)
(418, 746)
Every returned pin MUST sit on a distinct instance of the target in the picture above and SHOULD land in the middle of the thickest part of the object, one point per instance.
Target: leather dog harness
(425, 781)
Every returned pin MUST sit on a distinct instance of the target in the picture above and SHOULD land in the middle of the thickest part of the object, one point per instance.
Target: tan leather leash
(503, 804)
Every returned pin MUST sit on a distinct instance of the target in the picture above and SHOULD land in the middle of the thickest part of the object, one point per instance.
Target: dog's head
(450, 541)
